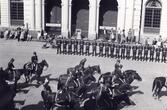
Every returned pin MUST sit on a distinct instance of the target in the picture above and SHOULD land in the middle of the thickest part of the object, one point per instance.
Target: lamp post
(141, 13)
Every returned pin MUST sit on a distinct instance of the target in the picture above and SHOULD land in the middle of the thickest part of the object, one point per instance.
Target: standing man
(75, 47)
(140, 52)
(94, 46)
(164, 53)
(128, 50)
(34, 60)
(69, 47)
(123, 51)
(112, 47)
(58, 42)
(106, 49)
(152, 49)
(145, 53)
(101, 49)
(117, 50)
(11, 66)
(134, 49)
(64, 46)
(158, 51)
(87, 47)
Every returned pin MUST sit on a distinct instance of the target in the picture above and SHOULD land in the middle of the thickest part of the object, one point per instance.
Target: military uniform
(140, 52)
(152, 49)
(128, 49)
(112, 47)
(164, 53)
(158, 51)
(94, 45)
(101, 45)
(72, 42)
(134, 48)
(145, 57)
(123, 51)
(75, 47)
(64, 46)
(106, 49)
(87, 48)
(117, 50)
(58, 42)
(69, 46)
(81, 50)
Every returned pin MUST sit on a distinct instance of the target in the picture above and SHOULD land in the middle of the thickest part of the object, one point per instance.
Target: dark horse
(103, 100)
(28, 67)
(158, 84)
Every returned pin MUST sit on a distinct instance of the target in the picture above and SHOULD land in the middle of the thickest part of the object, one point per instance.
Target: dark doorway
(53, 16)
(80, 16)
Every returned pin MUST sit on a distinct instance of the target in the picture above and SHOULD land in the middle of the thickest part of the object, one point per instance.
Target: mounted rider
(34, 61)
(11, 67)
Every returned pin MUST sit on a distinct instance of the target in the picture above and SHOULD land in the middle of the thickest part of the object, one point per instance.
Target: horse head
(137, 76)
(96, 69)
(44, 63)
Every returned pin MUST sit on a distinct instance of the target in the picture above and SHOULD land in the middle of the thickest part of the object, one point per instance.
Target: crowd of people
(142, 52)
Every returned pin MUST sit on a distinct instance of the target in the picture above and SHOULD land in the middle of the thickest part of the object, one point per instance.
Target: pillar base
(92, 36)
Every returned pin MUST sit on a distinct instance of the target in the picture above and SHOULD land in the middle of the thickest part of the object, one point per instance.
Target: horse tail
(154, 84)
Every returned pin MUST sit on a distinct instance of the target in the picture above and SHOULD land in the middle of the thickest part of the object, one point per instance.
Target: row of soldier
(109, 49)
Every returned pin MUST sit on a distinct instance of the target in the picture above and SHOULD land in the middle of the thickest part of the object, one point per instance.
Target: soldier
(152, 49)
(128, 49)
(94, 46)
(140, 52)
(117, 50)
(87, 48)
(106, 49)
(158, 50)
(112, 46)
(123, 51)
(72, 42)
(164, 52)
(101, 49)
(69, 46)
(145, 57)
(134, 48)
(75, 47)
(81, 47)
(58, 42)
(64, 46)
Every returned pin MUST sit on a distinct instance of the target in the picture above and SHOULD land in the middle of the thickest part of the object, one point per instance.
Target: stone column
(97, 19)
(92, 20)
(64, 18)
(43, 14)
(33, 14)
(69, 18)
(38, 15)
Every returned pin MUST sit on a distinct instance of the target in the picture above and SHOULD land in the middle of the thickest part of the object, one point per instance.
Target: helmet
(34, 53)
(12, 59)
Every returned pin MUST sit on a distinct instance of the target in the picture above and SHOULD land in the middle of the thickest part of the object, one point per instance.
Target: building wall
(128, 16)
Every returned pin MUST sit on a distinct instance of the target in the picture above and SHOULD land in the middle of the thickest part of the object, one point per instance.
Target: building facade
(147, 18)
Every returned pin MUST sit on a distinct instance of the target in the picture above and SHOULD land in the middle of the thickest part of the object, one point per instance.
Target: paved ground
(29, 98)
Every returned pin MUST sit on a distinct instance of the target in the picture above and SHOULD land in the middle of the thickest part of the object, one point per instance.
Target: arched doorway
(53, 16)
(80, 17)
(108, 15)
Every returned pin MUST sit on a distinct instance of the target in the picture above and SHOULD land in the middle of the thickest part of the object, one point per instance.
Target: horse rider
(34, 60)
(117, 75)
(11, 66)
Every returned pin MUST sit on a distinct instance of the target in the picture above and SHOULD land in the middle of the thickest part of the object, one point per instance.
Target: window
(17, 12)
(152, 16)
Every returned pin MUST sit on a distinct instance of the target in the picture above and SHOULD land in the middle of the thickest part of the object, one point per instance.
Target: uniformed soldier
(87, 48)
(75, 47)
(128, 50)
(117, 50)
(11, 66)
(112, 47)
(81, 47)
(101, 49)
(145, 57)
(140, 52)
(94, 46)
(64, 46)
(58, 42)
(106, 49)
(69, 46)
(158, 51)
(123, 51)
(164, 53)
(152, 49)
(134, 49)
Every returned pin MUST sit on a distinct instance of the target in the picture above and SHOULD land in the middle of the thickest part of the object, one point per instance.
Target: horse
(130, 76)
(39, 69)
(158, 84)
(92, 70)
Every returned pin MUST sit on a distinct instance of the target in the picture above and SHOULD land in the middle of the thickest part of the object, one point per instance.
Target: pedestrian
(81, 47)
(75, 47)
(134, 49)
(106, 49)
(69, 47)
(128, 50)
(158, 51)
(112, 48)
(117, 50)
(101, 49)
(87, 48)
(164, 53)
(140, 52)
(94, 46)
(152, 51)
(123, 46)
(145, 57)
